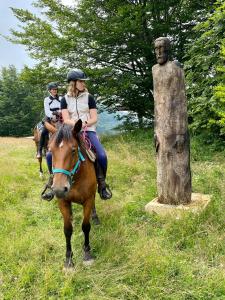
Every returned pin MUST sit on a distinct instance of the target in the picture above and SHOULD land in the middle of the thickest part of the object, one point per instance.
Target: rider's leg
(44, 135)
(100, 165)
(49, 161)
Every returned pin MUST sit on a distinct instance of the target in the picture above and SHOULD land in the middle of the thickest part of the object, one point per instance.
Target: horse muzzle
(61, 191)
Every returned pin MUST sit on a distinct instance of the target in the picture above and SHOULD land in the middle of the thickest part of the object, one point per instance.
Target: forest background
(137, 256)
(112, 41)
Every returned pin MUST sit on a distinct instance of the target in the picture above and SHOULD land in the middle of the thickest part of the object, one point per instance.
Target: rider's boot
(48, 196)
(103, 189)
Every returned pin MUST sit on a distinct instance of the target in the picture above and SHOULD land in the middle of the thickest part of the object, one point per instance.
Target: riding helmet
(52, 85)
(76, 74)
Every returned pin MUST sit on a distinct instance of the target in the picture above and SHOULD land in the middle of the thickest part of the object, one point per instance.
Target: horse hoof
(88, 262)
(41, 175)
(96, 220)
(88, 258)
(68, 265)
(68, 270)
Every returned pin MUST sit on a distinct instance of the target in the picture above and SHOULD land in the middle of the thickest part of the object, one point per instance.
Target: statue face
(161, 52)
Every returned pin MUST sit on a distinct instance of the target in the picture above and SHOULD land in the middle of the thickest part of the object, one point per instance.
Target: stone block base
(198, 203)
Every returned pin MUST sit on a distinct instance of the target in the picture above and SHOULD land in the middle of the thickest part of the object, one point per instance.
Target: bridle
(74, 170)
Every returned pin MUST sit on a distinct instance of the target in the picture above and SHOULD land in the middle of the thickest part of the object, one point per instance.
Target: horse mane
(64, 133)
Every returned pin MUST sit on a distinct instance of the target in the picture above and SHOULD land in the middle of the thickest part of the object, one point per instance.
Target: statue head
(162, 49)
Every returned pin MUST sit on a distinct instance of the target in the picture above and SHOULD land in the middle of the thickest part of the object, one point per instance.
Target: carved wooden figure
(171, 128)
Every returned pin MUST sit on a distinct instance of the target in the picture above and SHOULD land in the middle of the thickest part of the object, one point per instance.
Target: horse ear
(77, 127)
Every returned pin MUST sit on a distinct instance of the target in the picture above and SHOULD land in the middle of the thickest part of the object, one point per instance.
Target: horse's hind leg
(94, 216)
(66, 210)
(40, 166)
(86, 227)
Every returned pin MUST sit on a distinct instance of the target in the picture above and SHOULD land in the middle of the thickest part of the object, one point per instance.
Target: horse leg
(94, 216)
(86, 227)
(40, 167)
(66, 210)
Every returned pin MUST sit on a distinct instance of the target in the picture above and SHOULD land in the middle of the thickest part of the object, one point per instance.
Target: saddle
(40, 126)
(85, 144)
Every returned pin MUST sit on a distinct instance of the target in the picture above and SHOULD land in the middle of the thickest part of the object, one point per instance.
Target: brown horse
(36, 139)
(74, 181)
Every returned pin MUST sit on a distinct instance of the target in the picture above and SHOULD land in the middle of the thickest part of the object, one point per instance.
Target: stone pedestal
(198, 203)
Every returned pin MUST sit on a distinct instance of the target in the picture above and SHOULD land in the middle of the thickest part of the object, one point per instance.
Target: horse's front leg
(66, 210)
(86, 227)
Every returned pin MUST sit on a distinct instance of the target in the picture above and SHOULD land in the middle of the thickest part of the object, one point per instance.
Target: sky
(13, 54)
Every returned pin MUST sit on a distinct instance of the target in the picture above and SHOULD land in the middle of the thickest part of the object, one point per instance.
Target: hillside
(138, 256)
(107, 122)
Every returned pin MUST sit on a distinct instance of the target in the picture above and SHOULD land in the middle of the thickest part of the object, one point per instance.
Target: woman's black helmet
(52, 85)
(76, 74)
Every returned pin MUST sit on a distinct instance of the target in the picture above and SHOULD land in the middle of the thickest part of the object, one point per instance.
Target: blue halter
(75, 169)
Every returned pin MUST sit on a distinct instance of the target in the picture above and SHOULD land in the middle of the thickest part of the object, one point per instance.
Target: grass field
(138, 256)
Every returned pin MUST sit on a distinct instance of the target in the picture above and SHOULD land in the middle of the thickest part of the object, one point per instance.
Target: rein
(75, 169)
(86, 140)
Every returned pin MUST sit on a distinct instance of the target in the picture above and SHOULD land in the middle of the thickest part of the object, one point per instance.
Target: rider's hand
(84, 124)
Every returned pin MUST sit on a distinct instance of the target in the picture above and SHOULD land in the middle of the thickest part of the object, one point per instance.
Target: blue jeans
(49, 161)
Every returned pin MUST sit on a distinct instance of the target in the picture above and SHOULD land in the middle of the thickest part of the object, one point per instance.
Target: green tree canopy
(20, 103)
(205, 74)
(112, 40)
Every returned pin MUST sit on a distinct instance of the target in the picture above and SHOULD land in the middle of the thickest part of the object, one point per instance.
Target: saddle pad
(90, 153)
(40, 126)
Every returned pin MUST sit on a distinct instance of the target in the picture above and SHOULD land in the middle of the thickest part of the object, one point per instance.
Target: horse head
(66, 157)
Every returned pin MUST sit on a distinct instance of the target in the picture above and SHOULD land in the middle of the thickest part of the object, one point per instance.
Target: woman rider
(52, 108)
(79, 104)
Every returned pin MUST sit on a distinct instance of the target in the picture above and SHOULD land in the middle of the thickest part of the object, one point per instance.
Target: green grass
(138, 256)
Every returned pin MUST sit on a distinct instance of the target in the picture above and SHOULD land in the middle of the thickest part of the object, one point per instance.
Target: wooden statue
(171, 128)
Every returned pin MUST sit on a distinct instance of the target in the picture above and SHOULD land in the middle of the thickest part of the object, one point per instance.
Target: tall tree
(205, 74)
(20, 104)
(112, 40)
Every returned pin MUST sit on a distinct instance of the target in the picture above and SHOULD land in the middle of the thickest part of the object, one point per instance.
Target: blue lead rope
(75, 169)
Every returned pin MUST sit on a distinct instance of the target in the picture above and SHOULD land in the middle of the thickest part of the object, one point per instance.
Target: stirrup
(49, 195)
(107, 190)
